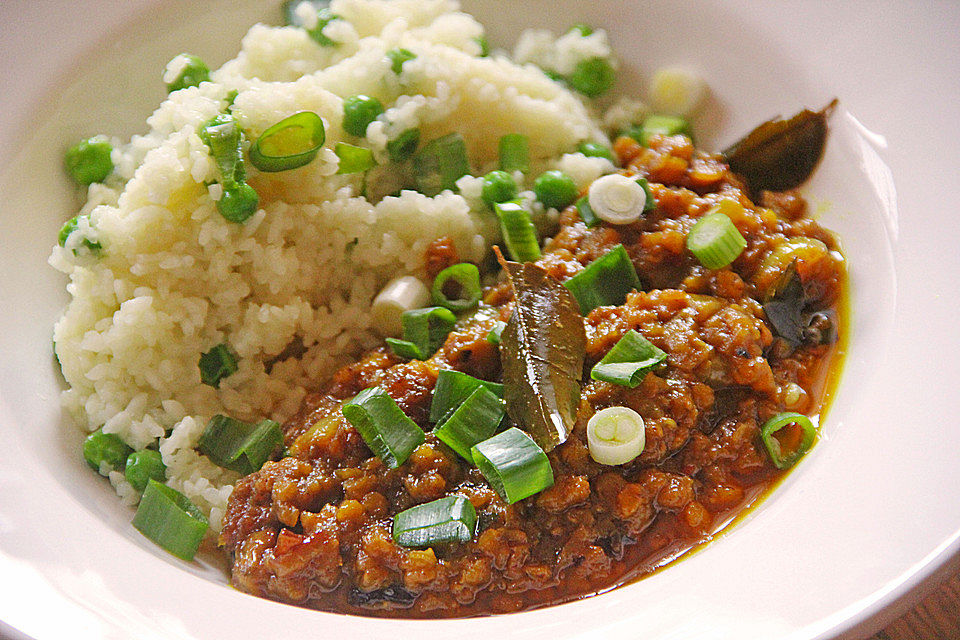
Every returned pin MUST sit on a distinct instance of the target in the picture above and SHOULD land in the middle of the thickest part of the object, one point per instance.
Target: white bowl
(866, 517)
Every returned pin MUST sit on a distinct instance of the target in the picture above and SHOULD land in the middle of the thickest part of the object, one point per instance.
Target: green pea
(192, 73)
(238, 202)
(595, 150)
(89, 161)
(99, 447)
(555, 189)
(404, 145)
(358, 112)
(592, 77)
(142, 466)
(498, 186)
(398, 57)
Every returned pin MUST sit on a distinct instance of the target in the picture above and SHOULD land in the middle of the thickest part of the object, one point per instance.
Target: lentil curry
(314, 528)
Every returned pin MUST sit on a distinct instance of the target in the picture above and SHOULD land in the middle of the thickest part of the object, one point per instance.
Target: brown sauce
(314, 528)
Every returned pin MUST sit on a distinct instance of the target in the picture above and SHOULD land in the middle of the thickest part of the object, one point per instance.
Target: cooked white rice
(175, 279)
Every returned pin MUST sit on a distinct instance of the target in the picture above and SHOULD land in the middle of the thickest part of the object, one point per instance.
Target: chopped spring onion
(217, 364)
(677, 90)
(628, 362)
(168, 518)
(450, 519)
(324, 17)
(618, 199)
(615, 435)
(586, 212)
(714, 240)
(606, 281)
(142, 466)
(498, 186)
(457, 287)
(89, 160)
(519, 232)
(787, 437)
(185, 70)
(290, 143)
(405, 293)
(583, 29)
(390, 434)
(239, 446)
(514, 152)
(474, 421)
(72, 225)
(440, 164)
(513, 464)
(353, 159)
(424, 331)
(659, 124)
(555, 189)
(592, 77)
(452, 389)
(484, 45)
(595, 150)
(404, 145)
(398, 57)
(358, 112)
(100, 448)
(222, 135)
(494, 336)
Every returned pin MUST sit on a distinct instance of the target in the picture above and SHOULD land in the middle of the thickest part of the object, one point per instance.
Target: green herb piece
(475, 420)
(289, 144)
(223, 136)
(217, 364)
(513, 464)
(404, 146)
(629, 361)
(240, 446)
(519, 232)
(72, 225)
(583, 29)
(514, 152)
(89, 160)
(587, 213)
(191, 71)
(555, 189)
(353, 159)
(542, 349)
(168, 518)
(398, 57)
(100, 447)
(452, 389)
(324, 17)
(358, 112)
(484, 45)
(424, 331)
(787, 437)
(457, 287)
(443, 521)
(383, 425)
(440, 164)
(605, 282)
(142, 466)
(493, 337)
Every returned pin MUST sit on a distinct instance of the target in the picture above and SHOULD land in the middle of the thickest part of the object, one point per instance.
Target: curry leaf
(784, 307)
(542, 351)
(781, 154)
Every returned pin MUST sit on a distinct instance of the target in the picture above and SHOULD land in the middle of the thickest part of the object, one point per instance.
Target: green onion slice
(472, 422)
(100, 447)
(629, 361)
(190, 72)
(168, 518)
(404, 145)
(513, 464)
(661, 125)
(463, 281)
(787, 437)
(390, 434)
(493, 337)
(217, 364)
(514, 152)
(142, 466)
(290, 143)
(606, 281)
(424, 331)
(714, 240)
(398, 57)
(222, 135)
(239, 446)
(450, 519)
(615, 435)
(519, 232)
(452, 389)
(324, 17)
(353, 159)
(440, 164)
(586, 212)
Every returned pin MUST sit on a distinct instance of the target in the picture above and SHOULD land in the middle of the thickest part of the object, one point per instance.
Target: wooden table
(936, 618)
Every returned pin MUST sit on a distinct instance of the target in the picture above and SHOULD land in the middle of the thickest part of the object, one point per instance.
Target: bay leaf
(781, 154)
(784, 306)
(542, 349)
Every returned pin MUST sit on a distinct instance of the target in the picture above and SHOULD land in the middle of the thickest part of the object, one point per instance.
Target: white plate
(869, 514)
